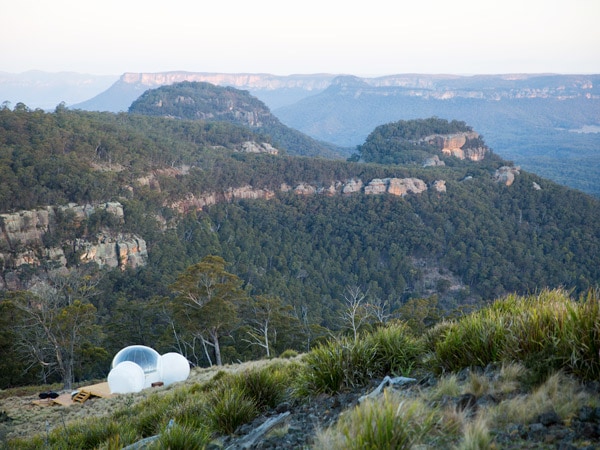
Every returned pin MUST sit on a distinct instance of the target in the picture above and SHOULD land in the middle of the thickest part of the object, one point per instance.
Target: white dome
(145, 357)
(125, 378)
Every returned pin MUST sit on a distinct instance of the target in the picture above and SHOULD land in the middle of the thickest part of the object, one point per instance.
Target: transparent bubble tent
(145, 357)
(138, 367)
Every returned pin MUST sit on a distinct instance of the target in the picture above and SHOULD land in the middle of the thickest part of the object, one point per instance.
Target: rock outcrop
(460, 145)
(439, 185)
(113, 251)
(25, 235)
(26, 241)
(255, 147)
(395, 186)
(506, 175)
(434, 161)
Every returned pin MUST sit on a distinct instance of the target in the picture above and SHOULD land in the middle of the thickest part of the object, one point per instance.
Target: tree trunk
(68, 377)
(214, 335)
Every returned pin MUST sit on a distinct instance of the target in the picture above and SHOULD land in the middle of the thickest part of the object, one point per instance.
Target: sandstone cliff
(238, 80)
(391, 186)
(27, 244)
(459, 145)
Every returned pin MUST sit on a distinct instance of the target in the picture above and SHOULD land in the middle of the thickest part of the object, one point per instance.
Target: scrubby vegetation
(557, 325)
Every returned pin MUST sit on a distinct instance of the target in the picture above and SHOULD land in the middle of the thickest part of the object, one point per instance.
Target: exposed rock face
(305, 189)
(352, 186)
(248, 192)
(395, 186)
(459, 145)
(506, 175)
(241, 80)
(25, 227)
(439, 185)
(23, 235)
(433, 162)
(120, 251)
(254, 147)
(403, 186)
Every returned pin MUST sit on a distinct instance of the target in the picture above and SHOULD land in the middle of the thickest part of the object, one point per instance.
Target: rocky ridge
(26, 237)
(377, 186)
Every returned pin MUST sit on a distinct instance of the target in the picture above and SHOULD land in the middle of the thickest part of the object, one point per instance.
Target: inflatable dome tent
(136, 367)
(145, 357)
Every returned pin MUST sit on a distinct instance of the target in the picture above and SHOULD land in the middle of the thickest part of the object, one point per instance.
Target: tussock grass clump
(335, 365)
(546, 332)
(287, 354)
(228, 409)
(396, 349)
(265, 387)
(552, 332)
(348, 363)
(477, 340)
(239, 398)
(386, 422)
(183, 437)
(476, 435)
(558, 393)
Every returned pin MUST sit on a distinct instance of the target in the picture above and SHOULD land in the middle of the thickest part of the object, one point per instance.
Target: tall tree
(58, 325)
(206, 302)
(356, 312)
(267, 321)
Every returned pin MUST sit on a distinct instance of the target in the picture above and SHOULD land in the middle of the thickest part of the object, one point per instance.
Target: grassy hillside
(519, 364)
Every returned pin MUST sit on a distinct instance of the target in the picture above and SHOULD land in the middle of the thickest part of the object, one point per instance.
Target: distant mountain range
(547, 123)
(45, 90)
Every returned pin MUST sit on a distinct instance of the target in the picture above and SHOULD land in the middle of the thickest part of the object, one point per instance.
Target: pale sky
(367, 38)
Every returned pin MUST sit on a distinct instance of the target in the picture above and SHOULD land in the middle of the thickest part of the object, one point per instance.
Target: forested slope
(299, 248)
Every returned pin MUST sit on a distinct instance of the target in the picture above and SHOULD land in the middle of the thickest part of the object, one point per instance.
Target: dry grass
(29, 419)
(559, 393)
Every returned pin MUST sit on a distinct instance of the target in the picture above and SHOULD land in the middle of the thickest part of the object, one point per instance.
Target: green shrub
(287, 354)
(336, 365)
(228, 409)
(396, 349)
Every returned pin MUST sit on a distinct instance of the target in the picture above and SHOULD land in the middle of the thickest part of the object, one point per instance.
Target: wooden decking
(85, 392)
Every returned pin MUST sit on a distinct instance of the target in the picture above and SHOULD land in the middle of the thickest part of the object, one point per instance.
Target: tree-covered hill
(414, 141)
(298, 232)
(204, 101)
(544, 123)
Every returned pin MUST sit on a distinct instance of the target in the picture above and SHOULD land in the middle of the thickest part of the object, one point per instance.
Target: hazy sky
(374, 37)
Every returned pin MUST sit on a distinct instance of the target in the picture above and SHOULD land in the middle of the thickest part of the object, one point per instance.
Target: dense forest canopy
(293, 254)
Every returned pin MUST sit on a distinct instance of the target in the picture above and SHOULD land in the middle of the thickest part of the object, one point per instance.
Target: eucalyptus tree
(205, 305)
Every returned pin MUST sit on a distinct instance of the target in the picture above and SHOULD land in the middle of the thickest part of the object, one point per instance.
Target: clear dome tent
(145, 357)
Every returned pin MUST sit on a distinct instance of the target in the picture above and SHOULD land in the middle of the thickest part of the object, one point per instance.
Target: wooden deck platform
(94, 390)
(97, 390)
